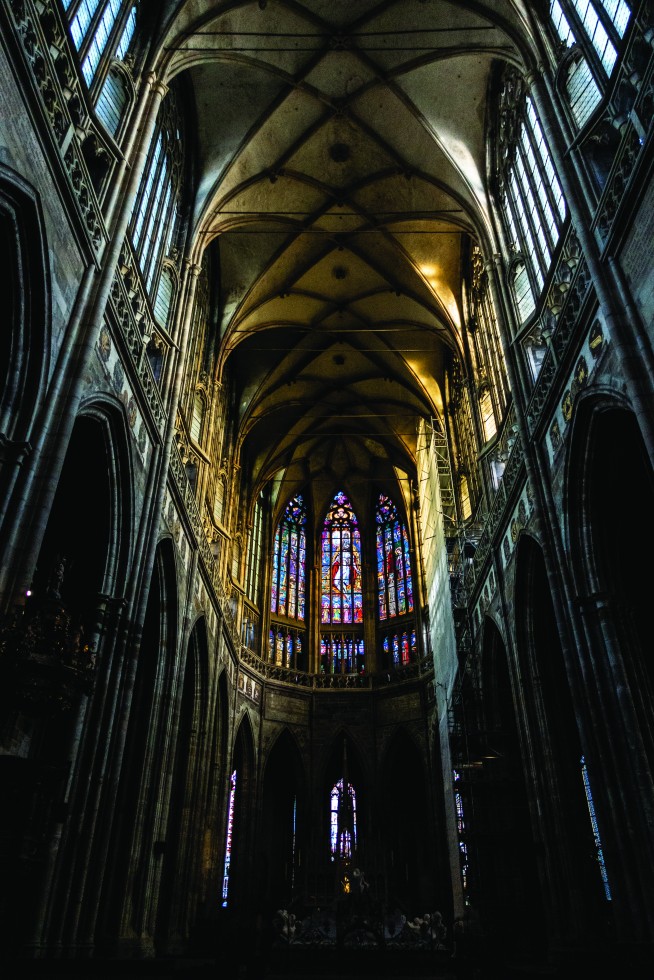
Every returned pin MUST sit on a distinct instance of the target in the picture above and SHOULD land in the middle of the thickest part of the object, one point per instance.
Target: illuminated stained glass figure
(342, 597)
(287, 594)
(394, 585)
(343, 823)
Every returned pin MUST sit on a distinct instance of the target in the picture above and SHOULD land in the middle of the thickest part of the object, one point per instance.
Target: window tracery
(533, 204)
(342, 596)
(155, 212)
(289, 556)
(100, 28)
(394, 581)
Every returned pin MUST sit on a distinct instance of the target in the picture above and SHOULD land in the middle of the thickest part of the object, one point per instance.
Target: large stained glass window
(342, 598)
(343, 822)
(395, 590)
(288, 577)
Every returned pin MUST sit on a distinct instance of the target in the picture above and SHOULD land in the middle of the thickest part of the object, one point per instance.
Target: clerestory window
(598, 26)
(100, 29)
(534, 207)
(154, 216)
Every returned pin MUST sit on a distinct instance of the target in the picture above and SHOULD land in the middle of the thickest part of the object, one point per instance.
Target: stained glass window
(154, 216)
(342, 598)
(285, 647)
(596, 833)
(341, 653)
(400, 648)
(343, 820)
(230, 836)
(394, 587)
(288, 577)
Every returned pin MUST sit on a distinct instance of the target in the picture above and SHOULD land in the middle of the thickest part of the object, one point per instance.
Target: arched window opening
(289, 556)
(394, 583)
(342, 596)
(343, 821)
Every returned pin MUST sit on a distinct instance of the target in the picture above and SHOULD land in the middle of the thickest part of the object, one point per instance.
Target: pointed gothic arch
(576, 903)
(403, 821)
(284, 822)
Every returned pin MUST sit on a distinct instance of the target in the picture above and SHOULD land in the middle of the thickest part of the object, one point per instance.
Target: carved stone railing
(563, 325)
(337, 682)
(44, 44)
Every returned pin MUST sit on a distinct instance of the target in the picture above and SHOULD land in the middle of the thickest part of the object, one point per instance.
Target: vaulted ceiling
(342, 169)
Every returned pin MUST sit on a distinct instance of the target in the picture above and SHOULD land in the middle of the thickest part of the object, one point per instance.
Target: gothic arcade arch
(611, 469)
(284, 823)
(129, 877)
(186, 799)
(403, 827)
(509, 884)
(86, 547)
(554, 764)
(238, 883)
(25, 340)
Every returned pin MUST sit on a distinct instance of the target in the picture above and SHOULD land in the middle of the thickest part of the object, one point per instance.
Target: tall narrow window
(254, 555)
(343, 821)
(229, 838)
(197, 421)
(596, 834)
(487, 414)
(533, 203)
(155, 208)
(464, 494)
(394, 584)
(288, 573)
(342, 597)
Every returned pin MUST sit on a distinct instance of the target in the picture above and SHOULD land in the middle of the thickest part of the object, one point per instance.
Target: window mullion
(528, 240)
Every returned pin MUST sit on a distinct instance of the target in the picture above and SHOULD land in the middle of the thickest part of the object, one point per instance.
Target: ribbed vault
(342, 174)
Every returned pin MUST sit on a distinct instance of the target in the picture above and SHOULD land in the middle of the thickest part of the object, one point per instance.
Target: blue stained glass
(393, 562)
(287, 591)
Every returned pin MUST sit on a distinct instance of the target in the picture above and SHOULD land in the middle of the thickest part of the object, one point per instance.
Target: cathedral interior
(327, 372)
